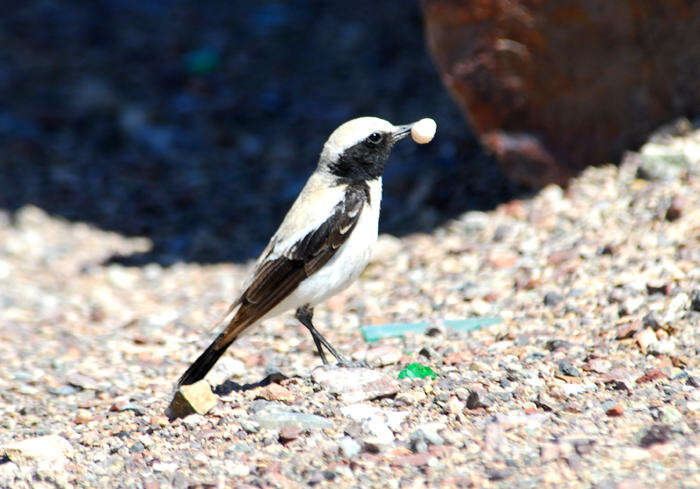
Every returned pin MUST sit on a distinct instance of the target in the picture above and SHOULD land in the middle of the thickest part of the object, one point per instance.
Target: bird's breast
(351, 258)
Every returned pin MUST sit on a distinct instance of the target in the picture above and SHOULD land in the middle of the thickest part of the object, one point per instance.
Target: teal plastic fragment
(374, 333)
(471, 324)
(202, 61)
(417, 371)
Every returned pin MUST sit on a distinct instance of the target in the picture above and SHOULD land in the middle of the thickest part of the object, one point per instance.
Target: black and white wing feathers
(279, 273)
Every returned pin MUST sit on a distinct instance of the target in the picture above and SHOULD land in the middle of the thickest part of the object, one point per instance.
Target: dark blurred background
(196, 123)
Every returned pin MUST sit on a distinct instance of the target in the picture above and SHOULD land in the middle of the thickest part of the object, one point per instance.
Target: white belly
(346, 265)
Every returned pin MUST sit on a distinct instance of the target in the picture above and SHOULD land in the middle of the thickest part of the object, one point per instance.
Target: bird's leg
(304, 314)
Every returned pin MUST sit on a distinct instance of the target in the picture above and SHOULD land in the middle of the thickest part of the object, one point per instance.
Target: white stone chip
(423, 131)
(50, 447)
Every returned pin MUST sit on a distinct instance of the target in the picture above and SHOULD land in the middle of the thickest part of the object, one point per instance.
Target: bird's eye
(375, 138)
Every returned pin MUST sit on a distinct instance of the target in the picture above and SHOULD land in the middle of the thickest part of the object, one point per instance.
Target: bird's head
(358, 150)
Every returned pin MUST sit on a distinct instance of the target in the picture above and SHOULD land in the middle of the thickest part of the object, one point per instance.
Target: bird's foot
(344, 363)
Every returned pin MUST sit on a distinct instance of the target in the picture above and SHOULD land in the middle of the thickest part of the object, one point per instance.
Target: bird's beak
(400, 132)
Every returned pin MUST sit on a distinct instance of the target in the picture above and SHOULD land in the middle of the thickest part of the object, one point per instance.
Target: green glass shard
(417, 371)
(374, 333)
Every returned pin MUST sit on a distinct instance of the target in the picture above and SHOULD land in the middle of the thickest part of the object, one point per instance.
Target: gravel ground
(591, 379)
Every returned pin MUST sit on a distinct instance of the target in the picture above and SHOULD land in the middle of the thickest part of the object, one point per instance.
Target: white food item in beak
(423, 131)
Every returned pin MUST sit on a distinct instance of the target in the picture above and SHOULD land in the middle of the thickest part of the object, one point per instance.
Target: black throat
(361, 162)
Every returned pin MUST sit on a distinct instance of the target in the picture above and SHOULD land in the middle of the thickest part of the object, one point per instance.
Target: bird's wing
(280, 271)
(282, 267)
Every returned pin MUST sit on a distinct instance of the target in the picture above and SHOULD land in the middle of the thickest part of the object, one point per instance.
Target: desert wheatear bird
(324, 241)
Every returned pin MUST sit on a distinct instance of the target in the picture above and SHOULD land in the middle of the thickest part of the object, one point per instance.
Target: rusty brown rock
(676, 208)
(651, 375)
(616, 410)
(276, 392)
(552, 87)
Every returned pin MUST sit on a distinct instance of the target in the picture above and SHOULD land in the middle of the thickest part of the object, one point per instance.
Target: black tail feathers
(204, 363)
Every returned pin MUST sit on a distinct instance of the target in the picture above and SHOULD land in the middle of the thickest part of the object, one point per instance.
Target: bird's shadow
(230, 386)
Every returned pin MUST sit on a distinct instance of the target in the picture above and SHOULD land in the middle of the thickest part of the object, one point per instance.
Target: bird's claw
(343, 363)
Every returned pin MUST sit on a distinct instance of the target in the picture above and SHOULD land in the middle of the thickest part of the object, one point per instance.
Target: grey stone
(695, 300)
(556, 344)
(137, 447)
(567, 368)
(355, 384)
(497, 474)
(661, 162)
(478, 398)
(658, 433)
(281, 419)
(250, 426)
(65, 390)
(429, 433)
(349, 447)
(552, 299)
(235, 449)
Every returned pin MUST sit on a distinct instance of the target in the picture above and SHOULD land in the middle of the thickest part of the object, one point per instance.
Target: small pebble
(137, 447)
(651, 320)
(676, 208)
(567, 368)
(552, 299)
(695, 300)
(429, 433)
(651, 375)
(658, 288)
(616, 410)
(383, 355)
(190, 399)
(50, 447)
(478, 398)
(276, 392)
(627, 330)
(250, 426)
(498, 474)
(349, 447)
(557, 345)
(289, 433)
(646, 338)
(658, 433)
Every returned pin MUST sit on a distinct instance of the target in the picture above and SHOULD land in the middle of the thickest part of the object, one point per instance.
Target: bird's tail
(206, 360)
(243, 318)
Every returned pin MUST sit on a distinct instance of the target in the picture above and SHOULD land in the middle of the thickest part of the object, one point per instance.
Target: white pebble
(423, 131)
